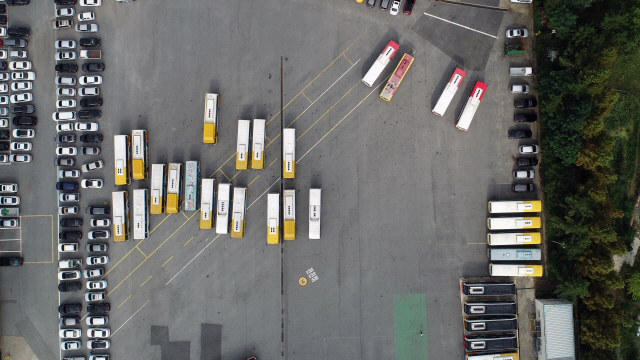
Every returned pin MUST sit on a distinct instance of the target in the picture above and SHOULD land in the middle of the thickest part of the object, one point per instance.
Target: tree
(633, 285)
(573, 288)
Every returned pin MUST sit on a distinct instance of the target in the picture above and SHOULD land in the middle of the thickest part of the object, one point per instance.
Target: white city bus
(158, 180)
(498, 207)
(242, 147)
(314, 213)
(222, 209)
(505, 356)
(449, 92)
(191, 178)
(515, 270)
(513, 223)
(206, 203)
(120, 205)
(140, 214)
(473, 102)
(122, 159)
(173, 188)
(289, 153)
(380, 64)
(273, 218)
(506, 239)
(239, 208)
(257, 146)
(140, 165)
(211, 107)
(289, 214)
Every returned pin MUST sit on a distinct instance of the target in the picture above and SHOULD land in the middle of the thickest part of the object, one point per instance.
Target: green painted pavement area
(410, 318)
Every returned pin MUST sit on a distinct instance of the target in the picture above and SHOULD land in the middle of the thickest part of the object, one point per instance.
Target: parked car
(96, 285)
(525, 103)
(9, 223)
(21, 146)
(90, 80)
(98, 344)
(66, 80)
(19, 32)
(69, 197)
(66, 150)
(64, 127)
(11, 261)
(65, 2)
(66, 91)
(9, 200)
(91, 102)
(93, 273)
(91, 138)
(98, 234)
(65, 12)
(23, 97)
(93, 67)
(24, 133)
(99, 333)
(17, 43)
(20, 65)
(70, 235)
(100, 222)
(69, 308)
(519, 89)
(97, 260)
(523, 174)
(25, 121)
(86, 126)
(524, 187)
(90, 42)
(66, 185)
(529, 149)
(94, 165)
(89, 91)
(68, 287)
(66, 68)
(23, 109)
(96, 247)
(65, 162)
(520, 134)
(517, 33)
(97, 320)
(86, 16)
(17, 2)
(97, 210)
(70, 333)
(395, 7)
(521, 162)
(408, 6)
(65, 138)
(90, 150)
(101, 308)
(95, 295)
(90, 2)
(71, 222)
(70, 345)
(18, 54)
(66, 55)
(64, 115)
(87, 27)
(92, 183)
(67, 210)
(70, 320)
(19, 158)
(22, 75)
(89, 114)
(69, 275)
(521, 118)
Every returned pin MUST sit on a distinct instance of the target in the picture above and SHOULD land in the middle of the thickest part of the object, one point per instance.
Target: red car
(408, 7)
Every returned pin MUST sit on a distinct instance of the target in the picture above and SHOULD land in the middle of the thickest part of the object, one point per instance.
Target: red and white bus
(381, 62)
(464, 120)
(396, 78)
(449, 92)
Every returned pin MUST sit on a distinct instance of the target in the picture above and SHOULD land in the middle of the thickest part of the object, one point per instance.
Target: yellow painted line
(165, 263)
(185, 216)
(274, 139)
(141, 252)
(345, 56)
(218, 169)
(154, 229)
(146, 280)
(273, 162)
(326, 112)
(188, 241)
(305, 96)
(234, 176)
(253, 180)
(266, 137)
(225, 175)
(125, 300)
(124, 257)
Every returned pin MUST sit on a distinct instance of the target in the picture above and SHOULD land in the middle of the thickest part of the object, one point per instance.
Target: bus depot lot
(404, 192)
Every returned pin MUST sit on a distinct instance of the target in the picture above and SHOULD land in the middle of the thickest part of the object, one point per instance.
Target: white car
(91, 274)
(25, 75)
(4, 88)
(99, 234)
(4, 123)
(4, 158)
(3, 54)
(90, 80)
(91, 183)
(64, 115)
(95, 165)
(395, 7)
(4, 100)
(67, 197)
(86, 126)
(87, 27)
(99, 333)
(19, 54)
(24, 133)
(68, 247)
(65, 44)
(64, 127)
(61, 104)
(96, 285)
(3, 31)
(517, 33)
(86, 16)
(70, 333)
(96, 320)
(20, 98)
(99, 357)
(9, 200)
(66, 55)
(70, 345)
(21, 146)
(97, 260)
(21, 86)
(66, 91)
(67, 210)
(68, 274)
(20, 158)
(9, 223)
(529, 149)
(69, 150)
(89, 91)
(20, 65)
(4, 76)
(65, 12)
(66, 80)
(90, 2)
(4, 111)
(523, 174)
(95, 296)
(68, 174)
(100, 222)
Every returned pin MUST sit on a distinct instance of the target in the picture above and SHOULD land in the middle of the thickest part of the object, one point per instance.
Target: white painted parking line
(462, 26)
(134, 314)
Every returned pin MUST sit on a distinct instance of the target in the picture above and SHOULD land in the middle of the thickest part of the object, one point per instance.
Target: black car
(521, 162)
(91, 102)
(66, 185)
(3, 65)
(520, 134)
(71, 286)
(18, 43)
(11, 261)
(65, 2)
(408, 7)
(97, 210)
(3, 10)
(91, 138)
(4, 146)
(89, 114)
(19, 31)
(520, 118)
(93, 67)
(4, 134)
(65, 138)
(97, 344)
(525, 103)
(371, 3)
(66, 68)
(71, 222)
(64, 161)
(98, 308)
(18, 2)
(70, 235)
(524, 187)
(69, 308)
(23, 109)
(90, 42)
(97, 247)
(25, 120)
(3, 19)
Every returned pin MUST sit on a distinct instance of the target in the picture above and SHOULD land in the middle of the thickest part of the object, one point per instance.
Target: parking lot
(404, 192)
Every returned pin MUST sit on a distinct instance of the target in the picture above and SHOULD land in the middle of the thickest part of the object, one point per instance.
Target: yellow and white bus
(503, 207)
(122, 161)
(515, 270)
(140, 164)
(158, 182)
(206, 203)
(140, 214)
(211, 107)
(242, 147)
(173, 188)
(506, 239)
(257, 146)
(289, 153)
(239, 209)
(505, 356)
(314, 213)
(222, 208)
(289, 214)
(120, 204)
(508, 223)
(273, 218)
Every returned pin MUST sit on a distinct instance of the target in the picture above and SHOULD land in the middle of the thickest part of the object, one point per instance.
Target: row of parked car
(395, 5)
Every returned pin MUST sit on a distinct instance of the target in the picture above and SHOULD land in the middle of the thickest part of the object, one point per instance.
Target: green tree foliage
(600, 329)
(596, 152)
(633, 285)
(573, 288)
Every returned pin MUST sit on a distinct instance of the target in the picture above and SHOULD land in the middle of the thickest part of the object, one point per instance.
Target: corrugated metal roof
(558, 332)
